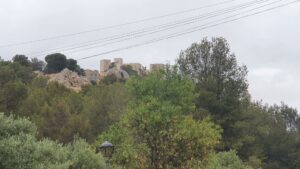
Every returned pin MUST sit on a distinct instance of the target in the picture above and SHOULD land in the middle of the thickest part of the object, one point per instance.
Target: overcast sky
(267, 43)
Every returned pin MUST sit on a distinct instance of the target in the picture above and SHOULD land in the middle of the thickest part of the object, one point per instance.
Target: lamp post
(107, 150)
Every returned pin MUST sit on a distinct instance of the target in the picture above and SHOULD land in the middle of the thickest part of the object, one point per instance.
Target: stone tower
(104, 65)
(118, 62)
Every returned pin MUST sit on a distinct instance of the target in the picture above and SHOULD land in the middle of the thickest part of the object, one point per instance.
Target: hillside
(196, 114)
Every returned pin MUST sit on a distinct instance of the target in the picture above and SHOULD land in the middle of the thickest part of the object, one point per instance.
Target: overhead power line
(154, 29)
(231, 16)
(190, 31)
(169, 28)
(117, 25)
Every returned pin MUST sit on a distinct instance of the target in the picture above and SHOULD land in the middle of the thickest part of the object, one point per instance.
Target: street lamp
(107, 150)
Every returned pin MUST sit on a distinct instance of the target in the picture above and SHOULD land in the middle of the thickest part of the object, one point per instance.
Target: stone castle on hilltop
(116, 67)
(121, 70)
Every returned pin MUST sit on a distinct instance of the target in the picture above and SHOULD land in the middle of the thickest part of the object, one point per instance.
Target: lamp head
(107, 149)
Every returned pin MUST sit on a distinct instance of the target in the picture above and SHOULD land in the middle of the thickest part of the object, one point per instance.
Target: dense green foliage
(249, 128)
(226, 160)
(21, 59)
(73, 66)
(197, 115)
(19, 149)
(61, 113)
(58, 112)
(159, 122)
(57, 62)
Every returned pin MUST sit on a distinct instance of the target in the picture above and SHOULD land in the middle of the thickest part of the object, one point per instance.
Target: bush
(226, 160)
(19, 149)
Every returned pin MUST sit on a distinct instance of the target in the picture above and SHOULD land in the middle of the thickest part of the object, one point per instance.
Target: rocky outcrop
(69, 79)
(92, 75)
(119, 73)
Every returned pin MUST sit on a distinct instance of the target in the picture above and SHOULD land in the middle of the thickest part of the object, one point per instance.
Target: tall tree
(221, 82)
(216, 73)
(21, 59)
(55, 63)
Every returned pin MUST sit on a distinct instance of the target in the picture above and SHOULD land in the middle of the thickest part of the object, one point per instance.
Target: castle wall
(118, 62)
(136, 66)
(156, 67)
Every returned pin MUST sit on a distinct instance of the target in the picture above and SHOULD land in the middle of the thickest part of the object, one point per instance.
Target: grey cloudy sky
(267, 43)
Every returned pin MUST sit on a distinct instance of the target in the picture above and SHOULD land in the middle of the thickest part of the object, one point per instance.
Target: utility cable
(190, 31)
(117, 25)
(160, 28)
